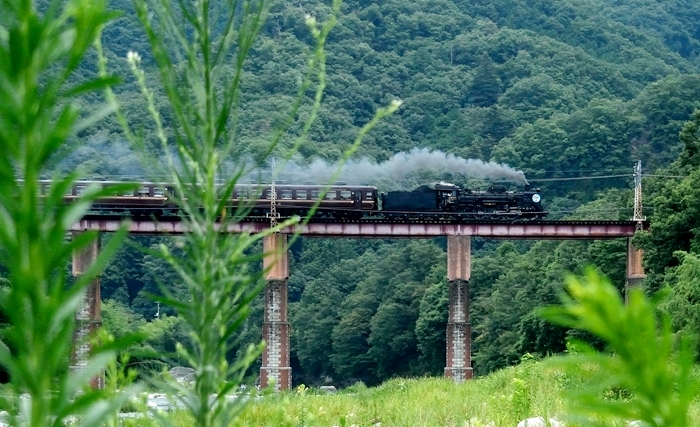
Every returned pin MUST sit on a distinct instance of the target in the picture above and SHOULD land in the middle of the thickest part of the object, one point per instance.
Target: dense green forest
(558, 89)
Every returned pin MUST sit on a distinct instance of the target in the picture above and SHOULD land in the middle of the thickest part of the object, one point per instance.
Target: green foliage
(432, 323)
(684, 294)
(508, 286)
(486, 86)
(371, 317)
(38, 114)
(672, 20)
(667, 105)
(546, 60)
(690, 137)
(675, 218)
(117, 376)
(594, 138)
(119, 319)
(535, 388)
(675, 222)
(645, 358)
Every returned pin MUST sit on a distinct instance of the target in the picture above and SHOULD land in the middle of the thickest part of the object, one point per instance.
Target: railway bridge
(276, 327)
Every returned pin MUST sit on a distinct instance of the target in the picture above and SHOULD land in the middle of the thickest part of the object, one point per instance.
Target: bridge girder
(367, 229)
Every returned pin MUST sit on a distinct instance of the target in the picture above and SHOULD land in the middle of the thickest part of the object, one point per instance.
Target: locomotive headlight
(536, 198)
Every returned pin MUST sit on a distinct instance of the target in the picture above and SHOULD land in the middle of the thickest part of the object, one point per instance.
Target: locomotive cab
(497, 189)
(447, 195)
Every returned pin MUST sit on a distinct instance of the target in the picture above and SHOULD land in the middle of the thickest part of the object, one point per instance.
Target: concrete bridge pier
(459, 365)
(635, 269)
(87, 318)
(275, 357)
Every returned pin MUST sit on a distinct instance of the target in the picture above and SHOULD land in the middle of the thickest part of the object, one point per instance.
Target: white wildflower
(133, 57)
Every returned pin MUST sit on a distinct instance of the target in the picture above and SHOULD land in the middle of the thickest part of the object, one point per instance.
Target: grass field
(502, 398)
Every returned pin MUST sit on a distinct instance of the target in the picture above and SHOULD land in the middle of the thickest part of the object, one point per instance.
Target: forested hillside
(473, 76)
(557, 88)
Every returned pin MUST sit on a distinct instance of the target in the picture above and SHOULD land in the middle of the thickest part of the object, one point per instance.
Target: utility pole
(273, 215)
(638, 217)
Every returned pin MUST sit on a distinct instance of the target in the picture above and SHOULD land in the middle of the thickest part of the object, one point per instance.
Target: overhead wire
(575, 170)
(578, 178)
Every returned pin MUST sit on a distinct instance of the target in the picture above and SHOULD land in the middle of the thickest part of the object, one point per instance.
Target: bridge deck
(391, 229)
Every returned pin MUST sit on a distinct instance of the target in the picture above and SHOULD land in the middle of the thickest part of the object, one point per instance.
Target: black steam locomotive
(446, 200)
(442, 201)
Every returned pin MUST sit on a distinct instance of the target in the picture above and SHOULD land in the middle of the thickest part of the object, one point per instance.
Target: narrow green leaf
(106, 253)
(94, 118)
(92, 85)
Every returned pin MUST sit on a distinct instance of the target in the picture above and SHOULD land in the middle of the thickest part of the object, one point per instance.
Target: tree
(432, 323)
(690, 138)
(683, 305)
(318, 314)
(675, 226)
(351, 346)
(393, 338)
(119, 320)
(486, 86)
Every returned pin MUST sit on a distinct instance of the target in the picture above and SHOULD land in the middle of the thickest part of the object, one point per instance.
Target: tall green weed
(39, 56)
(646, 372)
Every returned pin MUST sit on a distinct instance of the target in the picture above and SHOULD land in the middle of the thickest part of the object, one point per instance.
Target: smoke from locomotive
(399, 167)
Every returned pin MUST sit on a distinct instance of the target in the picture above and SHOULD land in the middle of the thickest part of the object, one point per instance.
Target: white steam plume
(400, 166)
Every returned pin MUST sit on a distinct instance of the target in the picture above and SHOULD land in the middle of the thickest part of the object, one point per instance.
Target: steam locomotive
(441, 201)
(447, 200)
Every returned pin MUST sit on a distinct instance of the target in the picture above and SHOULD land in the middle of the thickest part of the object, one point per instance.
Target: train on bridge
(442, 201)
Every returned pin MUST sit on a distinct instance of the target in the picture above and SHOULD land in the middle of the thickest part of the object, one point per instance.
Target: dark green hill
(675, 22)
(474, 75)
